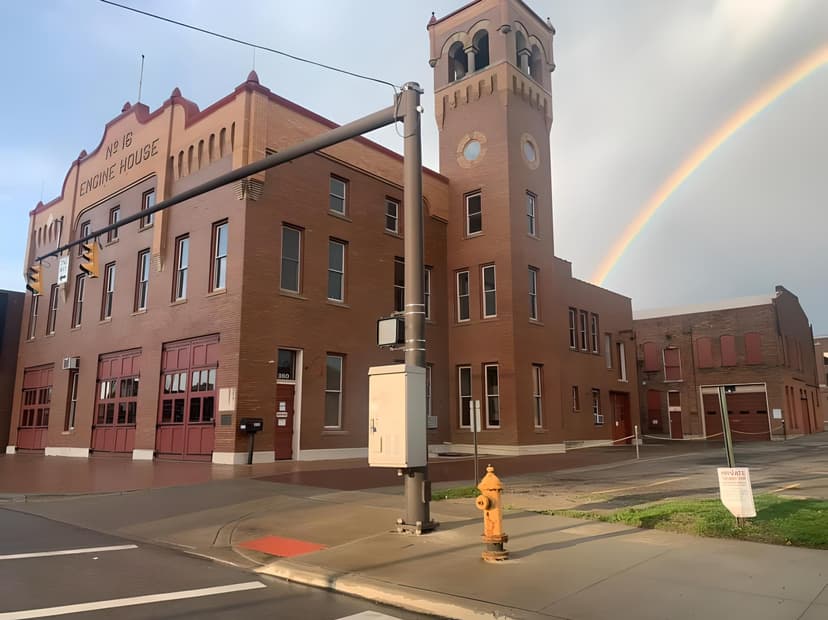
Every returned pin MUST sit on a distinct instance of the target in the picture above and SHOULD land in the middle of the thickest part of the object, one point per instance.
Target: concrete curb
(396, 595)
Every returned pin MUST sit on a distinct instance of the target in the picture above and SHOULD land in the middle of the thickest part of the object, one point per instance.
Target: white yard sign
(736, 492)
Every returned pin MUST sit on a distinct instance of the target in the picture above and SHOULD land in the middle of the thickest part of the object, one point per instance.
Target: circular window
(529, 151)
(472, 150)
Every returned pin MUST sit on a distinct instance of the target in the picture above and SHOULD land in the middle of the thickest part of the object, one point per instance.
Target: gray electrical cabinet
(397, 416)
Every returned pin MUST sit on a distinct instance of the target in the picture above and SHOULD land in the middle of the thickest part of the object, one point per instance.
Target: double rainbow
(762, 100)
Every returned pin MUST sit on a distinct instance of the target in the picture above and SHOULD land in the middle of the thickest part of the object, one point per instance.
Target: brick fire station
(260, 299)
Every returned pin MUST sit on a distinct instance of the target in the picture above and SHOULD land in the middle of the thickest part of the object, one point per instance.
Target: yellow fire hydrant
(489, 502)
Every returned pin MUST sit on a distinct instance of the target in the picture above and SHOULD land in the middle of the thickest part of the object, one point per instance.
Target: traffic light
(89, 258)
(33, 280)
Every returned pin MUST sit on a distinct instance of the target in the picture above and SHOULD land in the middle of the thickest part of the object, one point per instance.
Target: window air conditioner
(71, 363)
(599, 419)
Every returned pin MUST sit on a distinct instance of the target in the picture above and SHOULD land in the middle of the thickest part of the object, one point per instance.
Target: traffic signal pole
(417, 486)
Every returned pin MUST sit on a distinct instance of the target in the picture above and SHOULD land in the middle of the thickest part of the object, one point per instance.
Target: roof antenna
(140, 79)
(254, 59)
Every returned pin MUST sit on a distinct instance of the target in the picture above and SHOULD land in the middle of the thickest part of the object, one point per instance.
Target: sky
(638, 86)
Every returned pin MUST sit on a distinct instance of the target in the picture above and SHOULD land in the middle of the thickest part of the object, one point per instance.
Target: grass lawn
(779, 520)
(454, 493)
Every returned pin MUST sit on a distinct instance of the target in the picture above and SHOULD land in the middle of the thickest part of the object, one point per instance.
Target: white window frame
(533, 294)
(466, 200)
(466, 296)
(484, 291)
(343, 198)
(73, 399)
(219, 271)
(85, 229)
(114, 218)
(338, 391)
(622, 361)
(460, 395)
(51, 318)
(597, 416)
(576, 399)
(33, 310)
(77, 306)
(182, 268)
(664, 365)
(583, 318)
(333, 270)
(427, 291)
(573, 329)
(531, 214)
(399, 289)
(147, 220)
(395, 217)
(608, 350)
(537, 394)
(428, 396)
(594, 333)
(489, 395)
(142, 284)
(108, 292)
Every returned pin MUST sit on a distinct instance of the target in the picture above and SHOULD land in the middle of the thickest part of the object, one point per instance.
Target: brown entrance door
(676, 431)
(621, 421)
(283, 422)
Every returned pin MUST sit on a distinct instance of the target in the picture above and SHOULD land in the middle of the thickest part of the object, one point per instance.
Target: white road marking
(369, 615)
(127, 602)
(44, 554)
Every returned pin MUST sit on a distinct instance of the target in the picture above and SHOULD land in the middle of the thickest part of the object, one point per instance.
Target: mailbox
(251, 425)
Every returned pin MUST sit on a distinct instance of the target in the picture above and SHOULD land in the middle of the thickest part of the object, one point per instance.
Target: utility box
(397, 416)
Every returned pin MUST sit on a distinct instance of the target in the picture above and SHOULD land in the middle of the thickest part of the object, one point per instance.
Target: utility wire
(253, 45)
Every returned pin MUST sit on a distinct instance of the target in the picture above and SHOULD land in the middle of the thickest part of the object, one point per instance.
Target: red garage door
(116, 404)
(34, 411)
(747, 413)
(186, 416)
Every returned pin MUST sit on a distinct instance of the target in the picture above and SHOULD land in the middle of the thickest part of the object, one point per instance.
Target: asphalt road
(49, 568)
(796, 468)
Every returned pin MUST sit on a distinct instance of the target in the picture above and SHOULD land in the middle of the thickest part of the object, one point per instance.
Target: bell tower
(492, 62)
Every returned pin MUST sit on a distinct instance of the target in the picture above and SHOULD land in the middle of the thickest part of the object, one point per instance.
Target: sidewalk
(559, 568)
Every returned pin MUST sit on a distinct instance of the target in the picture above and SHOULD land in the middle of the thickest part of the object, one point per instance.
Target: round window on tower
(529, 150)
(471, 149)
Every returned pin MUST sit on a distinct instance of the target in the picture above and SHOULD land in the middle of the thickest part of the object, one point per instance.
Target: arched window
(481, 44)
(222, 142)
(535, 63)
(520, 45)
(457, 65)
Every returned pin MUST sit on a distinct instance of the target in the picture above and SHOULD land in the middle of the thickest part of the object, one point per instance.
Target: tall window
(108, 291)
(582, 326)
(291, 259)
(596, 406)
(622, 362)
(33, 316)
(593, 332)
(704, 352)
(753, 348)
(337, 195)
(142, 281)
(427, 291)
(489, 292)
(537, 393)
(533, 293)
(492, 396)
(464, 392)
(392, 215)
(51, 320)
(530, 213)
(650, 350)
(576, 398)
(182, 267)
(463, 296)
(672, 364)
(336, 270)
(474, 214)
(77, 308)
(147, 202)
(85, 229)
(219, 279)
(608, 350)
(333, 391)
(399, 284)
(114, 218)
(573, 328)
(69, 422)
(728, 345)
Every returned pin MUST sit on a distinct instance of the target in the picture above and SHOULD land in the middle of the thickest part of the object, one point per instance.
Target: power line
(249, 44)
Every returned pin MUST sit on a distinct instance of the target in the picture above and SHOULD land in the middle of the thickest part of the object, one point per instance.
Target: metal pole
(728, 439)
(784, 432)
(637, 455)
(417, 485)
(250, 448)
(474, 407)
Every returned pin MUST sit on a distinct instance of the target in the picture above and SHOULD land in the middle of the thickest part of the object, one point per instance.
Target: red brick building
(758, 347)
(260, 299)
(821, 350)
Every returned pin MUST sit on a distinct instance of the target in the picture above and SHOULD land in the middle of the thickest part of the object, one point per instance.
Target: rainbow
(768, 95)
